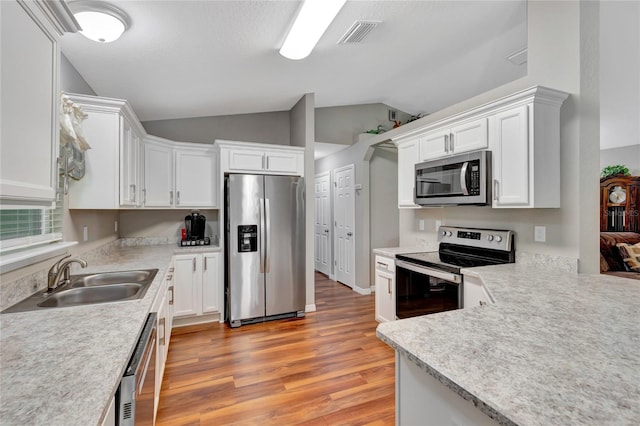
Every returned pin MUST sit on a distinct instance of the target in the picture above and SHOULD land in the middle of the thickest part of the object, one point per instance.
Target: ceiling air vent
(358, 31)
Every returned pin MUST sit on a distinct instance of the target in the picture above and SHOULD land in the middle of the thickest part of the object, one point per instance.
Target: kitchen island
(555, 348)
(62, 366)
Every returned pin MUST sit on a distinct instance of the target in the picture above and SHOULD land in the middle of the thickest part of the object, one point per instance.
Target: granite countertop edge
(511, 286)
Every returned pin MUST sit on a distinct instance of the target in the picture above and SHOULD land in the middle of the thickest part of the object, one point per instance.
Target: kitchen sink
(108, 278)
(90, 289)
(90, 295)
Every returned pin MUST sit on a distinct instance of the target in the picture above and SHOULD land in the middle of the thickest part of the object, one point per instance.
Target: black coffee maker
(195, 225)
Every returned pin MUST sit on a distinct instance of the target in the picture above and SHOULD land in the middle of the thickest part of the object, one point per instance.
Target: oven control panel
(485, 238)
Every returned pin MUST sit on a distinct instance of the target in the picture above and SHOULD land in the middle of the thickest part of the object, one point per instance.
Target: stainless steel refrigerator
(264, 248)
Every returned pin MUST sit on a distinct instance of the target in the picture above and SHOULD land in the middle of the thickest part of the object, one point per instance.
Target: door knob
(349, 234)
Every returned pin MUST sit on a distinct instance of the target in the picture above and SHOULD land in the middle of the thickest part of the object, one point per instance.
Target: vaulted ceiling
(205, 58)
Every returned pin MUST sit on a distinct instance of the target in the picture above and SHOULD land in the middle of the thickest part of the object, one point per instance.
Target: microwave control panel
(474, 188)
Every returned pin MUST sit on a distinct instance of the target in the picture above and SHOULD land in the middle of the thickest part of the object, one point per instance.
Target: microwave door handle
(463, 178)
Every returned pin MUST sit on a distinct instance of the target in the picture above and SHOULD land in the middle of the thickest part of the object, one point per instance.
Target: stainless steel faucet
(60, 270)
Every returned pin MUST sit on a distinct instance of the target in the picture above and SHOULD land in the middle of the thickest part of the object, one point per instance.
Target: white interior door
(322, 222)
(343, 214)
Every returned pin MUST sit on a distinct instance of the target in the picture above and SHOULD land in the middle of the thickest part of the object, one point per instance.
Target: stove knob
(448, 233)
(444, 233)
(490, 237)
(498, 238)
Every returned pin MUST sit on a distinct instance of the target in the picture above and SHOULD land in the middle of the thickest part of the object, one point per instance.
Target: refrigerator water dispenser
(247, 238)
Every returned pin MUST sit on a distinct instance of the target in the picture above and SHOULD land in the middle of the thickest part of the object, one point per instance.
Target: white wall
(302, 125)
(619, 74)
(266, 127)
(628, 156)
(340, 124)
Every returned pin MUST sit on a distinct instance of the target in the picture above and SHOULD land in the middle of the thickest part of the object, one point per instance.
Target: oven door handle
(447, 276)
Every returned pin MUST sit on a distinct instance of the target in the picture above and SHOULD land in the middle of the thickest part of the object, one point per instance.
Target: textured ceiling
(202, 58)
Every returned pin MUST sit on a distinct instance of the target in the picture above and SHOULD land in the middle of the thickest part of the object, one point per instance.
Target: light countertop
(62, 366)
(555, 348)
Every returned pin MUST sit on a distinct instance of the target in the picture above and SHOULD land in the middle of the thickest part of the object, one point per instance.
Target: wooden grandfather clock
(619, 204)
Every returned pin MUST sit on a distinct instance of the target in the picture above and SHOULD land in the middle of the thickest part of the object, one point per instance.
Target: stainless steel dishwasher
(137, 387)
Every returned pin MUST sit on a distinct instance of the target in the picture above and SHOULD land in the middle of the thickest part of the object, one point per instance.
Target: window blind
(25, 228)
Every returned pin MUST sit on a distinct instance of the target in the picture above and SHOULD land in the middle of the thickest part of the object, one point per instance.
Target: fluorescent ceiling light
(312, 21)
(100, 21)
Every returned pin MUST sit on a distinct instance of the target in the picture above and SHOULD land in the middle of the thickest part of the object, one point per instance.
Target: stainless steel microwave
(456, 180)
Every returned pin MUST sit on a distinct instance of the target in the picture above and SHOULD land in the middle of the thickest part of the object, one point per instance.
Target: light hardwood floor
(325, 369)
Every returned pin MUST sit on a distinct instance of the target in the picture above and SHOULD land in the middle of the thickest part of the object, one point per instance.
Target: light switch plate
(86, 233)
(540, 233)
(421, 225)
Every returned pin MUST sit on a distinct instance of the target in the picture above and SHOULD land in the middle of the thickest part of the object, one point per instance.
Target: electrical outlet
(421, 225)
(540, 234)
(86, 233)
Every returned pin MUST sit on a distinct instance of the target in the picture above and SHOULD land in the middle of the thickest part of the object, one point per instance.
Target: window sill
(12, 261)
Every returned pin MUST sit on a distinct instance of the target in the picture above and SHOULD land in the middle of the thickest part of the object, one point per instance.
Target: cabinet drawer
(385, 264)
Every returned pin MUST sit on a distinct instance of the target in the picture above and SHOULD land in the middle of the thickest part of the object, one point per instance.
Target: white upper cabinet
(158, 174)
(249, 157)
(113, 173)
(179, 175)
(131, 170)
(521, 130)
(524, 137)
(29, 108)
(196, 176)
(511, 166)
(407, 158)
(459, 138)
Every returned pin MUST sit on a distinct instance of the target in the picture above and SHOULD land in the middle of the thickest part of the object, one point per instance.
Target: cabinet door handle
(451, 142)
(205, 263)
(496, 186)
(170, 197)
(389, 285)
(132, 193)
(171, 290)
(446, 143)
(177, 198)
(194, 264)
(144, 197)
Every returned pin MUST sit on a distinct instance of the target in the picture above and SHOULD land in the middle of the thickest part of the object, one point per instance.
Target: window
(25, 228)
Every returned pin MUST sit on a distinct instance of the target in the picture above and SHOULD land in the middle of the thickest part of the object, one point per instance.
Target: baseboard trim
(362, 291)
(310, 308)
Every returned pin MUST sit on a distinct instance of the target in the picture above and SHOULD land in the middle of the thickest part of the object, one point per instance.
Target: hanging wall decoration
(72, 141)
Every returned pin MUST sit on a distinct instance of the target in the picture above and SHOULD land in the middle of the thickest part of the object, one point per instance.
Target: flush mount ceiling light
(312, 21)
(100, 21)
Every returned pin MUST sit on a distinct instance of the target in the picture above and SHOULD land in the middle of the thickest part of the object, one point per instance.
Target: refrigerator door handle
(262, 235)
(267, 220)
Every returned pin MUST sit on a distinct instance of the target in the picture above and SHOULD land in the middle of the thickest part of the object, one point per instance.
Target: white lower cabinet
(164, 307)
(197, 285)
(385, 282)
(475, 293)
(110, 416)
(420, 396)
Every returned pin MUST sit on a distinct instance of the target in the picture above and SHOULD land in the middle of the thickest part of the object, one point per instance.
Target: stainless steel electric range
(431, 282)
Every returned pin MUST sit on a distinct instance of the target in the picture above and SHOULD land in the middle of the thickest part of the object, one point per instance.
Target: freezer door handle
(262, 235)
(267, 220)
